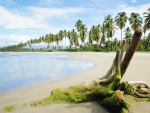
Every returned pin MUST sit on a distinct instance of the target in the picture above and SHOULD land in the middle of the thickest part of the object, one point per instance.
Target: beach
(139, 69)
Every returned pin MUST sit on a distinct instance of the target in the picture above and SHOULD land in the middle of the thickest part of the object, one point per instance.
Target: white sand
(139, 69)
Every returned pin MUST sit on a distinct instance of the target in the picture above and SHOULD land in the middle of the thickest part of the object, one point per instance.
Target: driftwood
(116, 72)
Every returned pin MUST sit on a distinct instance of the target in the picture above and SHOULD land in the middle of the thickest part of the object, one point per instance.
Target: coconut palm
(29, 44)
(78, 25)
(75, 38)
(69, 36)
(121, 20)
(65, 35)
(147, 22)
(95, 30)
(148, 40)
(128, 35)
(56, 37)
(83, 33)
(103, 31)
(115, 44)
(109, 25)
(144, 29)
(61, 36)
(135, 20)
(90, 37)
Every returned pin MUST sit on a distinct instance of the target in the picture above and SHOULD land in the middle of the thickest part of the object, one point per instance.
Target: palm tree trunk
(112, 44)
(121, 37)
(65, 42)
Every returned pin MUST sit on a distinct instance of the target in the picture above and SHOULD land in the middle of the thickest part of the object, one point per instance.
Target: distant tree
(147, 18)
(135, 20)
(110, 27)
(83, 33)
(128, 36)
(121, 20)
(103, 32)
(65, 35)
(95, 30)
(90, 37)
(78, 25)
(75, 38)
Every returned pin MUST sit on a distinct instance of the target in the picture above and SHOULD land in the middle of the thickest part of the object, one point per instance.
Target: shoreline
(138, 68)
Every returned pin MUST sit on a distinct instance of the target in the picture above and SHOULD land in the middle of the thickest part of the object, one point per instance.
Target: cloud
(35, 17)
(13, 39)
(11, 20)
(61, 13)
(133, 0)
(138, 9)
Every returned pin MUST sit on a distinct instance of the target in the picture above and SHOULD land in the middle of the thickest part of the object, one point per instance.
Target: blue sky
(22, 20)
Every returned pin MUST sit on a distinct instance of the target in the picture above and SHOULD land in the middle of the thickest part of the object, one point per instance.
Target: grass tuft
(9, 108)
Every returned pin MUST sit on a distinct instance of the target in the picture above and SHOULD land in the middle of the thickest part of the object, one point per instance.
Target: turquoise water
(18, 70)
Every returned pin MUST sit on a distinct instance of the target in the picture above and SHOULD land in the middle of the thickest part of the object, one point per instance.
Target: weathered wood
(132, 48)
(113, 67)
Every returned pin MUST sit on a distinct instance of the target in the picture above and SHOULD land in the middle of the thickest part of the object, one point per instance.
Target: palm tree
(83, 33)
(75, 38)
(78, 25)
(95, 30)
(103, 31)
(144, 29)
(128, 36)
(148, 40)
(121, 20)
(69, 36)
(109, 25)
(147, 22)
(29, 43)
(135, 20)
(115, 44)
(90, 37)
(65, 35)
(61, 36)
(71, 42)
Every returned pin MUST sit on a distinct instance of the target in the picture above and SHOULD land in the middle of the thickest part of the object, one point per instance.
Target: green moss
(127, 88)
(9, 108)
(123, 110)
(25, 104)
(74, 94)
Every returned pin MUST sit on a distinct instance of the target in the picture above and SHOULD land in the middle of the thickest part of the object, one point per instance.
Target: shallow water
(18, 70)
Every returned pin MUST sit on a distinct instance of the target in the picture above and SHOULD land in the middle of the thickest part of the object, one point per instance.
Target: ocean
(21, 69)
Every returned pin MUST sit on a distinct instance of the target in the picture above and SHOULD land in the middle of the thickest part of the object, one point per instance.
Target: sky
(22, 20)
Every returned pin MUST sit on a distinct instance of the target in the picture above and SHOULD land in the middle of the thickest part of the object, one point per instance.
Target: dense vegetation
(95, 39)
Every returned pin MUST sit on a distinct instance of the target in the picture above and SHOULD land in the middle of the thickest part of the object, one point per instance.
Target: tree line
(82, 39)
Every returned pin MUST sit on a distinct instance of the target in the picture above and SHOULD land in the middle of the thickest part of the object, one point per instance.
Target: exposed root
(139, 84)
(142, 95)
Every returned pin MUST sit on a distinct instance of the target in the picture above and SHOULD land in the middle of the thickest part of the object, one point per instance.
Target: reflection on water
(22, 69)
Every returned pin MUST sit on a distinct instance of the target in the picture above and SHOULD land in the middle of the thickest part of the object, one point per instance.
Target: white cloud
(133, 0)
(12, 39)
(36, 17)
(61, 13)
(138, 9)
(11, 20)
